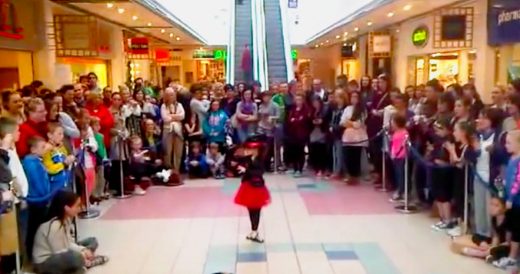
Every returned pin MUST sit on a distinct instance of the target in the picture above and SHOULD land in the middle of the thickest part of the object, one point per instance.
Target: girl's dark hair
(211, 103)
(359, 108)
(447, 98)
(399, 121)
(473, 90)
(469, 129)
(466, 101)
(458, 89)
(367, 87)
(514, 99)
(62, 199)
(5, 96)
(495, 115)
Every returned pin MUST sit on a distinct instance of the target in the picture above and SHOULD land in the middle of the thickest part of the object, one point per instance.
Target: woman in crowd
(35, 125)
(297, 130)
(54, 248)
(354, 137)
(470, 91)
(70, 128)
(12, 106)
(118, 148)
(336, 132)
(97, 109)
(462, 111)
(246, 116)
(215, 125)
(365, 90)
(172, 114)
(268, 115)
(318, 156)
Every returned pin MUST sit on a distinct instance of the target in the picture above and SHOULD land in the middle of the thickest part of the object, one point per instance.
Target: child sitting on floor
(215, 161)
(142, 164)
(491, 249)
(56, 158)
(196, 162)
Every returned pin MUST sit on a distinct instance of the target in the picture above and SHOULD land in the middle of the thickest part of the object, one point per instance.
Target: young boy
(196, 162)
(40, 193)
(101, 160)
(215, 161)
(512, 197)
(56, 158)
(142, 164)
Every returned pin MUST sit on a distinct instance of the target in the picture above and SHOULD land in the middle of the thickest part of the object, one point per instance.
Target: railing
(286, 41)
(259, 38)
(230, 57)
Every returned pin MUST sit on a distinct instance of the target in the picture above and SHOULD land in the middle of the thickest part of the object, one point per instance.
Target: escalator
(242, 35)
(276, 42)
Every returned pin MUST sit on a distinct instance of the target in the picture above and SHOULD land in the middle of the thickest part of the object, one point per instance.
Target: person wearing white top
(172, 114)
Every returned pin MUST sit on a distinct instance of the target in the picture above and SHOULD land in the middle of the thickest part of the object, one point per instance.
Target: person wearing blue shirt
(40, 191)
(196, 162)
(214, 126)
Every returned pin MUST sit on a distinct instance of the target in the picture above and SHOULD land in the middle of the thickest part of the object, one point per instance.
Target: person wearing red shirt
(35, 125)
(97, 109)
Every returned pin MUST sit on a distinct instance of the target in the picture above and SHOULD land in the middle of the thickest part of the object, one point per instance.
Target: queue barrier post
(89, 212)
(384, 136)
(122, 195)
(406, 208)
(465, 226)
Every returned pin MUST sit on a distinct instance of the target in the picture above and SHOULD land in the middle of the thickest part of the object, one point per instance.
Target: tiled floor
(311, 227)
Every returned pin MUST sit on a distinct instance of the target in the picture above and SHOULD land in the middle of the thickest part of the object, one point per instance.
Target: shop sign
(292, 4)
(76, 35)
(138, 45)
(162, 55)
(9, 27)
(380, 44)
(503, 22)
(420, 36)
(218, 54)
(294, 54)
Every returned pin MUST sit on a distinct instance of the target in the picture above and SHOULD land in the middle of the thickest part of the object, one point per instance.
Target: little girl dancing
(253, 194)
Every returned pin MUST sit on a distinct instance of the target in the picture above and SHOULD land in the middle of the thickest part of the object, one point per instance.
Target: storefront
(438, 46)
(504, 34)
(18, 41)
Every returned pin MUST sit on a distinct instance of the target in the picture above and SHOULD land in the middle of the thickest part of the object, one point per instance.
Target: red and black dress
(252, 192)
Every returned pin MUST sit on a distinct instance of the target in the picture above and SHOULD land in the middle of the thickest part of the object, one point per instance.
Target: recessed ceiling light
(369, 23)
(163, 31)
(120, 10)
(327, 41)
(321, 44)
(344, 44)
(356, 29)
(177, 38)
(338, 36)
(149, 24)
(317, 46)
(390, 14)
(110, 5)
(135, 17)
(171, 35)
(407, 7)
(397, 30)
(345, 33)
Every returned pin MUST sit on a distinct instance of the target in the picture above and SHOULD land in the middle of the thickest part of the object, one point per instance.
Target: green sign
(420, 36)
(294, 54)
(217, 54)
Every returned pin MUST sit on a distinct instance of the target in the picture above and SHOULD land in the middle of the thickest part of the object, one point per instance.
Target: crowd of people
(64, 150)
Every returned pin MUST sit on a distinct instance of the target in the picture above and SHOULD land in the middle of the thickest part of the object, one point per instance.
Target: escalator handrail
(286, 41)
(230, 61)
(264, 74)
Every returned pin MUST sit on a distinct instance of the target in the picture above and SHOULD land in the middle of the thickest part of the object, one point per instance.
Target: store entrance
(441, 66)
(16, 69)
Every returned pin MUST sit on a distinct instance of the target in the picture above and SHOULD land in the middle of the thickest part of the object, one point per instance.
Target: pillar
(118, 71)
(485, 62)
(45, 56)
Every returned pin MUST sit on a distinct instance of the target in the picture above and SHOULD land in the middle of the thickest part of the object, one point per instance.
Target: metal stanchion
(466, 200)
(88, 213)
(73, 186)
(406, 208)
(122, 195)
(383, 187)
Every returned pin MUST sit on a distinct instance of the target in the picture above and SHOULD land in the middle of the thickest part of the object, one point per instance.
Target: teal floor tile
(373, 259)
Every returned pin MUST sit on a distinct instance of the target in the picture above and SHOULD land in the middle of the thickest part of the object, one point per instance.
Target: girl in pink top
(398, 154)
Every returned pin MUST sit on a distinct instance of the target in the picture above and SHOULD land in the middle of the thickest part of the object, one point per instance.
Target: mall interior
(313, 223)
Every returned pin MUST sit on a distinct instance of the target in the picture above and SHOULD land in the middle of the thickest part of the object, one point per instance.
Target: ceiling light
(397, 30)
(177, 38)
(407, 7)
(120, 10)
(171, 35)
(369, 23)
(327, 41)
(390, 14)
(338, 36)
(149, 24)
(317, 46)
(356, 29)
(321, 44)
(163, 31)
(345, 44)
(110, 5)
(135, 17)
(345, 33)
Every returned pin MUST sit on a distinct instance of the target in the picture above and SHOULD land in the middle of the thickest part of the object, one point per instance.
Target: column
(463, 66)
(45, 56)
(506, 57)
(118, 72)
(485, 61)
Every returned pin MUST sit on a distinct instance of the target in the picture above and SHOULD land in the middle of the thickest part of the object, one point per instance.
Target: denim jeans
(398, 165)
(337, 158)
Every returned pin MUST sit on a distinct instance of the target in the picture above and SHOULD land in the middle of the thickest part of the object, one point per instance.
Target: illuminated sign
(218, 54)
(9, 27)
(420, 36)
(294, 54)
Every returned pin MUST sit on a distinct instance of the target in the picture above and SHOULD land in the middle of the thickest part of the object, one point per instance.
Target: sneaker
(396, 198)
(254, 237)
(505, 262)
(455, 231)
(440, 226)
(139, 191)
(297, 174)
